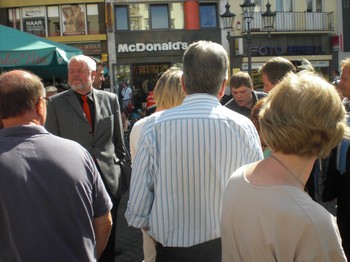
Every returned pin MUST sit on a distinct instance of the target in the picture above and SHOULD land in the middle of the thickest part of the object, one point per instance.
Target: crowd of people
(209, 181)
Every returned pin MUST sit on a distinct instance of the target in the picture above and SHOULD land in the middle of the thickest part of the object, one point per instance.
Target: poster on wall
(73, 17)
(34, 20)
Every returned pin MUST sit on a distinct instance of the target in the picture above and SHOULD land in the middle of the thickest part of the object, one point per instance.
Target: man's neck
(20, 121)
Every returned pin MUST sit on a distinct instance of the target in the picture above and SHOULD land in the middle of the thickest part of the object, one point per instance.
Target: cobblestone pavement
(129, 239)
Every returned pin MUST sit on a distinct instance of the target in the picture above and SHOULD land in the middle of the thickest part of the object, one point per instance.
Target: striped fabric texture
(184, 158)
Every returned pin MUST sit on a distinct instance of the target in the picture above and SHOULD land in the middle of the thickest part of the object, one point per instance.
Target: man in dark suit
(92, 118)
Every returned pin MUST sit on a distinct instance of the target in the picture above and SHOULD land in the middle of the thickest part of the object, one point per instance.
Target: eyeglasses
(46, 99)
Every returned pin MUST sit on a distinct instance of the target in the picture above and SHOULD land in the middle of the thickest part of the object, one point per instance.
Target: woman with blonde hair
(168, 93)
(267, 215)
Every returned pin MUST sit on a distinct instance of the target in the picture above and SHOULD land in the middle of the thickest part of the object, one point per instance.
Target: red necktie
(86, 109)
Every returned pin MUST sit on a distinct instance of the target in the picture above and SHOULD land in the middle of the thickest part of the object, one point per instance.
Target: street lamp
(248, 9)
(227, 19)
(268, 19)
(248, 6)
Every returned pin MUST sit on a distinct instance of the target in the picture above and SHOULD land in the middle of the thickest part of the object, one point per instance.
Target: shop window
(53, 21)
(14, 18)
(122, 73)
(34, 20)
(176, 16)
(74, 19)
(92, 19)
(208, 15)
(121, 13)
(159, 17)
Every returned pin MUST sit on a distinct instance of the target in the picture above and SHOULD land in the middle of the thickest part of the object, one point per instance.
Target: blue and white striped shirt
(184, 159)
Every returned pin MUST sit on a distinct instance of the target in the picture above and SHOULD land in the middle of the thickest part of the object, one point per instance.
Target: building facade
(341, 40)
(302, 29)
(140, 39)
(145, 38)
(80, 24)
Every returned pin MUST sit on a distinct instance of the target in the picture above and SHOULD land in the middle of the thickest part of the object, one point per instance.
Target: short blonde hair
(345, 63)
(303, 115)
(168, 92)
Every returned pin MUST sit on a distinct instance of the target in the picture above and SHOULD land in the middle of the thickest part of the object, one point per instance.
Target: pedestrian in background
(301, 119)
(337, 183)
(184, 159)
(54, 206)
(126, 94)
(273, 71)
(99, 77)
(92, 118)
(244, 97)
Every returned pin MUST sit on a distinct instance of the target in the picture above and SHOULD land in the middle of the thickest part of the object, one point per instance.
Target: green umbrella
(21, 50)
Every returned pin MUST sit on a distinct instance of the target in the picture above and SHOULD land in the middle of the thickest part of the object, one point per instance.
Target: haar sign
(152, 47)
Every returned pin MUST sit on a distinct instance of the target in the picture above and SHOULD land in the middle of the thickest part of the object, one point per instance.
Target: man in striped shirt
(184, 159)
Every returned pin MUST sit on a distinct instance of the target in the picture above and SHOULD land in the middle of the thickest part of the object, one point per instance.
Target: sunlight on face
(79, 77)
(267, 84)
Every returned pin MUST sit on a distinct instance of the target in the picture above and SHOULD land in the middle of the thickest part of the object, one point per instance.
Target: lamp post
(248, 9)
(248, 6)
(268, 19)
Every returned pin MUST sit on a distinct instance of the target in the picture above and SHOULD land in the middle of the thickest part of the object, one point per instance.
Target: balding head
(20, 92)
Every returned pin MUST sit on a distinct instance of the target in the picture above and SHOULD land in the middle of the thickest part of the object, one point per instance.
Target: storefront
(316, 48)
(142, 56)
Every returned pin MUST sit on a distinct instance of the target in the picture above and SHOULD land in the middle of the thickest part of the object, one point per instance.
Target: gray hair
(205, 66)
(91, 64)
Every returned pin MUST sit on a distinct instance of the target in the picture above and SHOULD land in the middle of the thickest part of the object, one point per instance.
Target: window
(92, 19)
(257, 6)
(139, 17)
(177, 16)
(14, 18)
(121, 14)
(53, 21)
(136, 17)
(314, 6)
(34, 20)
(73, 17)
(284, 5)
(208, 15)
(122, 73)
(159, 17)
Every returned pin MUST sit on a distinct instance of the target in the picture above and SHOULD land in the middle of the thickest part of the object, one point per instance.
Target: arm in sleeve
(118, 131)
(133, 143)
(142, 186)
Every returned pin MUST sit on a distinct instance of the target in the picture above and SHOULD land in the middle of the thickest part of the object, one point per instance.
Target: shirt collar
(89, 95)
(24, 129)
(200, 97)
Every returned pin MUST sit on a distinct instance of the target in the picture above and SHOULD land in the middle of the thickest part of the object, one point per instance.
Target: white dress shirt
(184, 159)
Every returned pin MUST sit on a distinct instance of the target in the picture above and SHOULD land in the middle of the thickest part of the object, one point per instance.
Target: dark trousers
(109, 252)
(205, 252)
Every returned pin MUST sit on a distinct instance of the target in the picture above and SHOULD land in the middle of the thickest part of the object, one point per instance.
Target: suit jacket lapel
(74, 103)
(98, 101)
